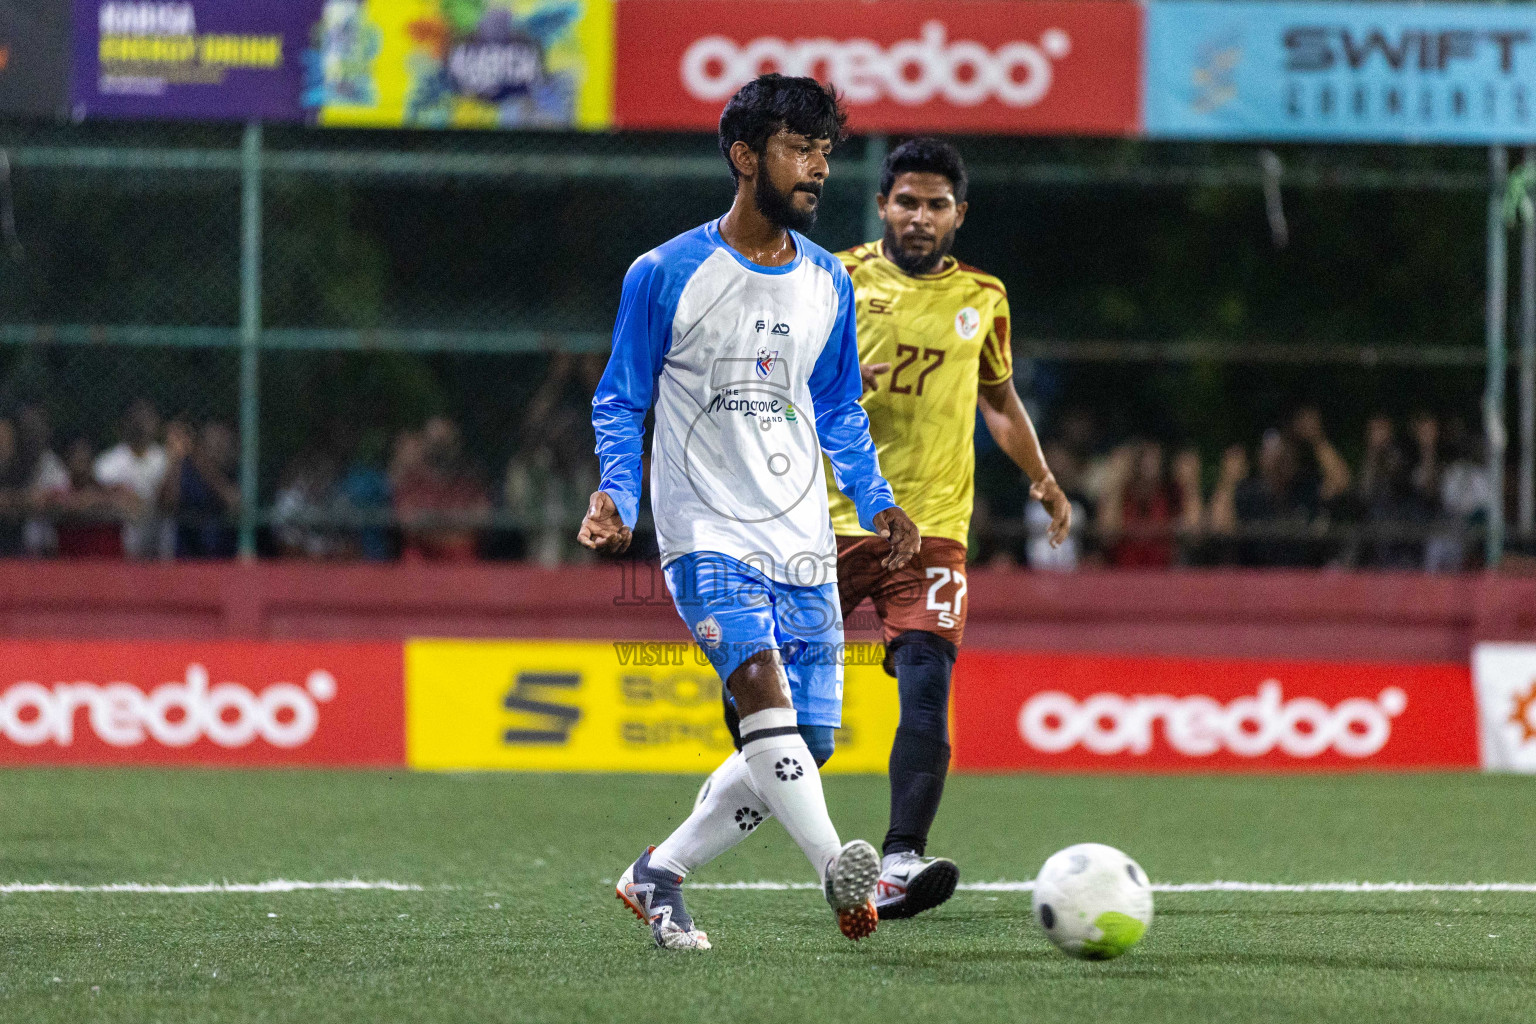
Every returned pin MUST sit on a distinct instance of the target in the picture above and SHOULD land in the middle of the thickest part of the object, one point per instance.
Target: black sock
(919, 764)
(920, 755)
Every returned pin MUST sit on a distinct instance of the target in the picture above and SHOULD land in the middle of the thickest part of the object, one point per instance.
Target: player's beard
(779, 207)
(917, 263)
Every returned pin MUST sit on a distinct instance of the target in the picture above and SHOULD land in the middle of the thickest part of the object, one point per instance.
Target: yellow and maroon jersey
(944, 334)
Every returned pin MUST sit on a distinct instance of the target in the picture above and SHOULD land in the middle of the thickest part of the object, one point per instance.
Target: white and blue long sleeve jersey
(754, 373)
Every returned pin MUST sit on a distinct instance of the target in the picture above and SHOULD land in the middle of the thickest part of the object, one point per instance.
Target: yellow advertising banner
(582, 706)
(463, 64)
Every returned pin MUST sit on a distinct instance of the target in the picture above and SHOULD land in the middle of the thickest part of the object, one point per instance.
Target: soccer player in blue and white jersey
(741, 334)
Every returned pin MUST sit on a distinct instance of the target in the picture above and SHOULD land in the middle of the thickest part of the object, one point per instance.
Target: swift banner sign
(949, 66)
(589, 707)
(1341, 71)
(227, 703)
(1071, 712)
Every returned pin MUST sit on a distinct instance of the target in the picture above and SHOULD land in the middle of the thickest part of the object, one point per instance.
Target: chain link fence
(420, 319)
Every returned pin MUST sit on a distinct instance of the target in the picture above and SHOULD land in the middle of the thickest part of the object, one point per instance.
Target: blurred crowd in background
(1415, 498)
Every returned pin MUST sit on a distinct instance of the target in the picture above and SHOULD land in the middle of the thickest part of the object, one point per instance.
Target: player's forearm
(1010, 426)
(845, 439)
(1335, 470)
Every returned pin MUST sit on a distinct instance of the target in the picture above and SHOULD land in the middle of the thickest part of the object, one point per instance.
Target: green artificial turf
(517, 920)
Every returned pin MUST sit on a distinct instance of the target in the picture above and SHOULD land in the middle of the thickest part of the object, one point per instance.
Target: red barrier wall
(1221, 613)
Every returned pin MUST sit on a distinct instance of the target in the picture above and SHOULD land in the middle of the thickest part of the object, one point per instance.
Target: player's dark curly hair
(926, 156)
(772, 103)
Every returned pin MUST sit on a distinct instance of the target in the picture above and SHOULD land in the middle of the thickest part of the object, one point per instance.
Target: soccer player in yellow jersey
(933, 345)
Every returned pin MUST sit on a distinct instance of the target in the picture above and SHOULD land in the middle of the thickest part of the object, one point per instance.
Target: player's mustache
(813, 187)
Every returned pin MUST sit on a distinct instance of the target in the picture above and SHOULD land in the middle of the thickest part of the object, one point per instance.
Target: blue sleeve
(840, 421)
(642, 334)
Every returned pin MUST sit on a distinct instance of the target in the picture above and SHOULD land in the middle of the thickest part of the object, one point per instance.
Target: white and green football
(1093, 901)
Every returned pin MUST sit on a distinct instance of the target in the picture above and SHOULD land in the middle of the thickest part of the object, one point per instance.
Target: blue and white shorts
(734, 612)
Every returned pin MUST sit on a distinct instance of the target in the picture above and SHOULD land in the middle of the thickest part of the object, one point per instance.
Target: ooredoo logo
(1198, 726)
(909, 72)
(174, 714)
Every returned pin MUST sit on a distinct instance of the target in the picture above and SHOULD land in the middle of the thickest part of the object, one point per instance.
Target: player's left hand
(1049, 493)
(901, 533)
(603, 529)
(870, 373)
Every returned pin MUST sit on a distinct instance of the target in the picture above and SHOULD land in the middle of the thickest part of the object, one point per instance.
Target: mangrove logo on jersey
(902, 64)
(1436, 72)
(1072, 712)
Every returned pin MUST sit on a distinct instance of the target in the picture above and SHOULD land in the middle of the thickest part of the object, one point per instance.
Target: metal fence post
(1527, 482)
(1495, 315)
(874, 155)
(250, 335)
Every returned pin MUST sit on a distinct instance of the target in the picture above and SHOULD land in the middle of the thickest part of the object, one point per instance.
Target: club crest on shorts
(967, 322)
(708, 632)
(765, 361)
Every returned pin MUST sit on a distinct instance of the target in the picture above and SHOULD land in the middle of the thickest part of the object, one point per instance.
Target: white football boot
(850, 888)
(910, 884)
(656, 898)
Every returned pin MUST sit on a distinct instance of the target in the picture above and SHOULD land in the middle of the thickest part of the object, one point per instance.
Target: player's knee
(758, 683)
(819, 740)
(923, 662)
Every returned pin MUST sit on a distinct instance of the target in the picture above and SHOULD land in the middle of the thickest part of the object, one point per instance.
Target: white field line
(275, 885)
(1360, 887)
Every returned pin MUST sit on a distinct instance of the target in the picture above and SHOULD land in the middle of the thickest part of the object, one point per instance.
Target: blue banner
(1449, 73)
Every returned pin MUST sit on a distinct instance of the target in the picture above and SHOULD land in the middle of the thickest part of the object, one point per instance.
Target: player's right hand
(602, 529)
(870, 372)
(901, 533)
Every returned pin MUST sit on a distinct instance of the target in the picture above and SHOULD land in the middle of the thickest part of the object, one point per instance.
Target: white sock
(727, 815)
(785, 776)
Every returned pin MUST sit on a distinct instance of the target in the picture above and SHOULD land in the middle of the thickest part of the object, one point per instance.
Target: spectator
(200, 491)
(1464, 499)
(43, 472)
(306, 507)
(13, 493)
(1271, 514)
(364, 494)
(554, 469)
(87, 518)
(1397, 497)
(1142, 514)
(135, 468)
(1322, 472)
(441, 505)
(1064, 463)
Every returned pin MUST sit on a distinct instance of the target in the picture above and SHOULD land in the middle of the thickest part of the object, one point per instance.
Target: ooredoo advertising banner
(1083, 712)
(34, 57)
(637, 707)
(227, 703)
(949, 66)
(463, 64)
(1341, 71)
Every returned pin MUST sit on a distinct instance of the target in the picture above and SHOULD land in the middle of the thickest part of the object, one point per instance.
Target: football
(1093, 901)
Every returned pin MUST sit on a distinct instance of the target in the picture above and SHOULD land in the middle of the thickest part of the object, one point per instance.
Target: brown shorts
(927, 593)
